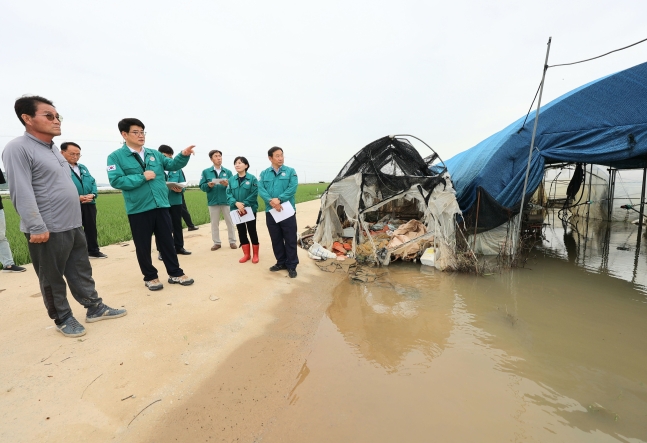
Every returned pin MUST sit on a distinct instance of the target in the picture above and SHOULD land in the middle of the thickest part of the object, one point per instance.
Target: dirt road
(214, 361)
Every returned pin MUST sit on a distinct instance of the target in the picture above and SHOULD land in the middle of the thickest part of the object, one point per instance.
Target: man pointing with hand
(139, 173)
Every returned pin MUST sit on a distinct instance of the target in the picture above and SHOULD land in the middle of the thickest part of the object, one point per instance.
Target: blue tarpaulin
(603, 122)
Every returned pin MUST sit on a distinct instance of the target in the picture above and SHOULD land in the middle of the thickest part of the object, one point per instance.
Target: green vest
(175, 198)
(85, 183)
(282, 186)
(126, 172)
(218, 194)
(246, 193)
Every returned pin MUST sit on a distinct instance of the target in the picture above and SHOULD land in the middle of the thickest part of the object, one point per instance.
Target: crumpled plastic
(319, 251)
(406, 233)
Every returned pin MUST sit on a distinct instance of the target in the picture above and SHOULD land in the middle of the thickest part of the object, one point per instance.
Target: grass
(112, 222)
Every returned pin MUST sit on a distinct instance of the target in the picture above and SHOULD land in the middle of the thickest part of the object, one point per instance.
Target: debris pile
(404, 240)
(387, 203)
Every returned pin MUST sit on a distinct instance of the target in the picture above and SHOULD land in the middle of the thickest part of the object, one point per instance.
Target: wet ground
(556, 351)
(553, 352)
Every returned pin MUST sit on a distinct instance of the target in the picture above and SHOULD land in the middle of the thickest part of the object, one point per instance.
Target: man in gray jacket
(48, 204)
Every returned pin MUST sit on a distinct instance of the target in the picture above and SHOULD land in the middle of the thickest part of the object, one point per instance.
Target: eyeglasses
(74, 155)
(51, 117)
(137, 133)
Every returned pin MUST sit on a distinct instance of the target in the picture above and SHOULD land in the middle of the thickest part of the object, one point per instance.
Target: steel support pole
(610, 195)
(532, 146)
(476, 225)
(588, 203)
(642, 210)
(613, 194)
(640, 226)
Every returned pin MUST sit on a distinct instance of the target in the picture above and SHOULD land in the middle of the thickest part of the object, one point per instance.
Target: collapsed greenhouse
(388, 203)
(601, 123)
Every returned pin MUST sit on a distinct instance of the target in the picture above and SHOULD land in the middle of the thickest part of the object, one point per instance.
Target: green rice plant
(196, 203)
(17, 240)
(112, 221)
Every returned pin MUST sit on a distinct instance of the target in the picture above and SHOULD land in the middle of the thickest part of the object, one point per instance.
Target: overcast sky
(319, 79)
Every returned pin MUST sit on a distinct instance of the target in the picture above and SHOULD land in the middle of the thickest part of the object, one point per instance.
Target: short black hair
(271, 152)
(27, 104)
(242, 159)
(214, 151)
(165, 149)
(125, 124)
(66, 144)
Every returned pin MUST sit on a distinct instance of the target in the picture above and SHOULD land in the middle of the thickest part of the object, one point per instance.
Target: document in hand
(238, 219)
(287, 212)
(172, 184)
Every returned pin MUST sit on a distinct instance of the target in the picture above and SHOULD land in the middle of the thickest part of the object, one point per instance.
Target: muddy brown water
(554, 352)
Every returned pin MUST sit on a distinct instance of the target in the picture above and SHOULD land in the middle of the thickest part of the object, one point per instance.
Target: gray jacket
(40, 186)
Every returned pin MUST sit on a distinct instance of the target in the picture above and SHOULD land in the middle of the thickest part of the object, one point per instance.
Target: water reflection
(386, 320)
(578, 335)
(556, 351)
(561, 349)
(602, 247)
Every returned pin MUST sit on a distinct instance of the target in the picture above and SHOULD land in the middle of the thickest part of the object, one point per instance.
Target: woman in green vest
(242, 192)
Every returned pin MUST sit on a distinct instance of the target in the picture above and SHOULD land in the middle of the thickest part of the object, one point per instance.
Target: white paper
(287, 212)
(238, 219)
(217, 180)
(172, 184)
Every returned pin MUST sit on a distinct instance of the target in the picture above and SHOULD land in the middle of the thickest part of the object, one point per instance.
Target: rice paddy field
(112, 222)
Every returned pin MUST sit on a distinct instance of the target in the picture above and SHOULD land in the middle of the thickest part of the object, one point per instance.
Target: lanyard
(139, 159)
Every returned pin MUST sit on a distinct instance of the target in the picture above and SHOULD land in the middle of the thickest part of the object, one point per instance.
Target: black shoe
(97, 255)
(277, 267)
(13, 268)
(292, 273)
(193, 228)
(183, 252)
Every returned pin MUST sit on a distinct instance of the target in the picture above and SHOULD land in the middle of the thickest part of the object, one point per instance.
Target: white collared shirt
(218, 171)
(141, 153)
(76, 169)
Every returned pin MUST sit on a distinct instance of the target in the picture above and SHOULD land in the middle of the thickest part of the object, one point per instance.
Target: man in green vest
(87, 188)
(277, 185)
(214, 182)
(139, 173)
(176, 200)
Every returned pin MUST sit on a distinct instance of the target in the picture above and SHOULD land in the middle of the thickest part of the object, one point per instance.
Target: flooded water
(554, 352)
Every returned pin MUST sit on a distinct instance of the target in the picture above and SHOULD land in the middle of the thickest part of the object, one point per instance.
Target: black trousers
(89, 221)
(185, 214)
(143, 226)
(62, 262)
(175, 212)
(247, 227)
(284, 240)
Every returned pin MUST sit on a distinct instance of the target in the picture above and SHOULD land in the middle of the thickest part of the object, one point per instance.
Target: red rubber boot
(246, 257)
(255, 248)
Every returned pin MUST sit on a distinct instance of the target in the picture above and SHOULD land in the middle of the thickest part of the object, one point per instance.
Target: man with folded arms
(87, 189)
(139, 173)
(50, 216)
